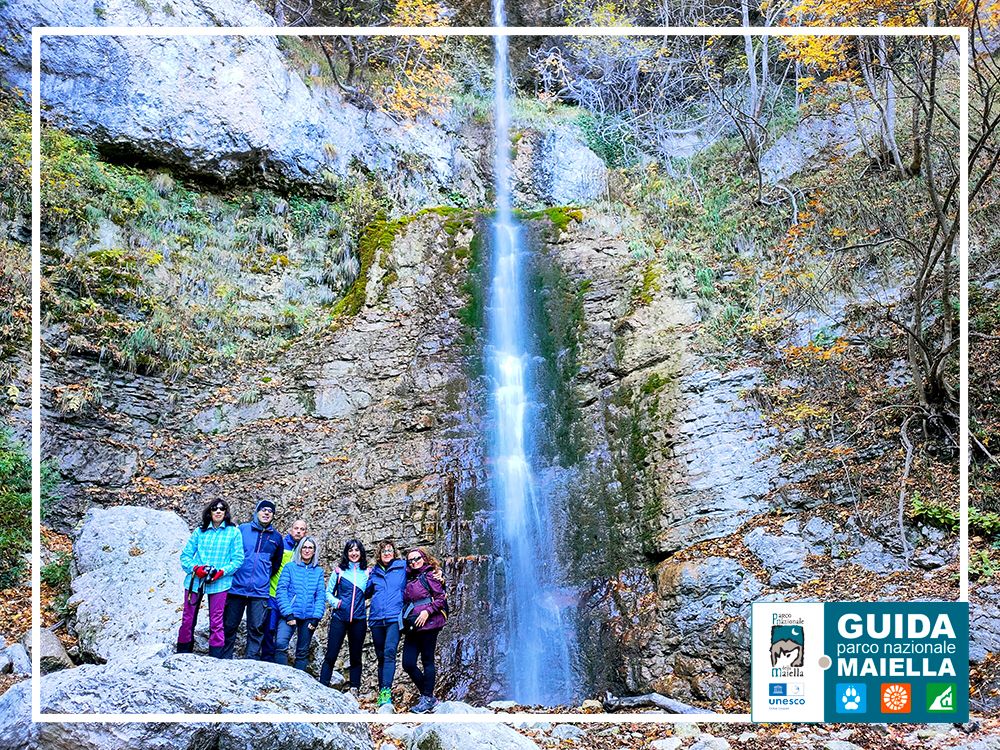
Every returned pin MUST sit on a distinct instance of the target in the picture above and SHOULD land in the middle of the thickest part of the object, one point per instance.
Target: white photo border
(40, 32)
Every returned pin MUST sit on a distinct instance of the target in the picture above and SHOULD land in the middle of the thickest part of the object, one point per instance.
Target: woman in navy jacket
(345, 593)
(386, 580)
(301, 601)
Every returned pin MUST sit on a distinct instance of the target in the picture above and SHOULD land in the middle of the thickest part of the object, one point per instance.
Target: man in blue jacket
(263, 549)
(295, 534)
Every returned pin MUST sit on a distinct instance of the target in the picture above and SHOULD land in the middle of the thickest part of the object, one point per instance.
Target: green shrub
(56, 573)
(15, 509)
(612, 145)
(982, 566)
(984, 523)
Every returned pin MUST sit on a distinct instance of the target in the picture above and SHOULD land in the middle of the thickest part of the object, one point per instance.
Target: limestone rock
(726, 465)
(53, 655)
(568, 172)
(555, 167)
(128, 586)
(221, 106)
(20, 662)
(784, 556)
(462, 736)
(697, 595)
(706, 742)
(180, 684)
(984, 622)
(812, 143)
(568, 732)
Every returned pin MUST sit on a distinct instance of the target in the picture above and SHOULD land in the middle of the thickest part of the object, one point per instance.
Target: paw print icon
(852, 698)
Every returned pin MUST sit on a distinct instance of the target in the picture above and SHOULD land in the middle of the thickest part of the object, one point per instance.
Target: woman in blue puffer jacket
(301, 598)
(386, 580)
(345, 593)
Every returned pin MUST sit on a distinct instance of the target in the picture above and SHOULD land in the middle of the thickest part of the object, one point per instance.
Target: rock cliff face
(220, 106)
(370, 430)
(375, 427)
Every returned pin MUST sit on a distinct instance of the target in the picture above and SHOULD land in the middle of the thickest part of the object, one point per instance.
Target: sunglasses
(217, 507)
(412, 560)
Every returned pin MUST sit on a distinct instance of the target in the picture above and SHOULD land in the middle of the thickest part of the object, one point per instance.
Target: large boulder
(128, 585)
(222, 106)
(462, 736)
(182, 684)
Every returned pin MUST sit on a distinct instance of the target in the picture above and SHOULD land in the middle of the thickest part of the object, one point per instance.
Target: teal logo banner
(897, 661)
(905, 662)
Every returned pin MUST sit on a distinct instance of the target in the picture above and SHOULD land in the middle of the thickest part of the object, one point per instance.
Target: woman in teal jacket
(210, 558)
(302, 601)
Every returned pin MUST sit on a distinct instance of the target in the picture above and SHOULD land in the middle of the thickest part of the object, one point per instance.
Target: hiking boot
(386, 708)
(426, 704)
(354, 693)
(184, 648)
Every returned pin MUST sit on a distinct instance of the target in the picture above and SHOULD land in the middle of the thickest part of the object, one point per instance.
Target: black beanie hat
(265, 504)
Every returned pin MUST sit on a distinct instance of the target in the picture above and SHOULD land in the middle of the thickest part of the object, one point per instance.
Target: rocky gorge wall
(222, 107)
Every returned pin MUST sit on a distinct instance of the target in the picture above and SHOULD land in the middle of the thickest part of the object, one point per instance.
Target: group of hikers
(277, 583)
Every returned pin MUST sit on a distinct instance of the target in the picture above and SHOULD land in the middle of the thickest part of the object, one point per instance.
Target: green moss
(558, 216)
(631, 454)
(376, 241)
(653, 383)
(557, 316)
(648, 285)
(473, 313)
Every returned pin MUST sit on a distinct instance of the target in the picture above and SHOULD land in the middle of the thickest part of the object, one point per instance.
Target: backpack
(445, 610)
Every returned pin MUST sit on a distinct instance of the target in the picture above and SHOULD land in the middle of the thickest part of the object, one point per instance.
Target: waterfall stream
(540, 636)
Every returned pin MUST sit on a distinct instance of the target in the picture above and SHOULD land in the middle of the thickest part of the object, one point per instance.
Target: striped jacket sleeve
(189, 553)
(235, 557)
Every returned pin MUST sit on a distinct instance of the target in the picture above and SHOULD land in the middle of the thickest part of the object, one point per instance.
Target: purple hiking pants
(216, 606)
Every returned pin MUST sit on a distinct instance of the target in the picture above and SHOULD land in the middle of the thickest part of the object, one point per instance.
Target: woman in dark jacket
(386, 581)
(425, 592)
(345, 593)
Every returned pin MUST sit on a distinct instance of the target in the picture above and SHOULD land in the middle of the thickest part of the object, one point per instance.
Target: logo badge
(852, 697)
(941, 697)
(777, 689)
(896, 698)
(787, 646)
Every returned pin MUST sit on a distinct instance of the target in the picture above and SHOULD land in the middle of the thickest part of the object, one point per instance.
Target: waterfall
(539, 639)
